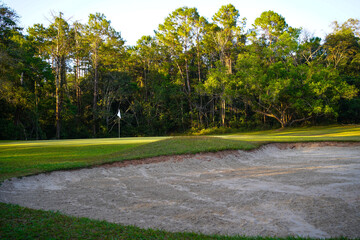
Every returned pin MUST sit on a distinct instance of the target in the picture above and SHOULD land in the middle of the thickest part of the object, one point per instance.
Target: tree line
(69, 80)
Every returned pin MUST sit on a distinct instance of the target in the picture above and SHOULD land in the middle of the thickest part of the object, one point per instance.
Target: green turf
(305, 134)
(23, 223)
(184, 145)
(20, 158)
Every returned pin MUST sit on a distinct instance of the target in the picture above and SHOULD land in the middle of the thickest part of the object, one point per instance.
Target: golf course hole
(277, 190)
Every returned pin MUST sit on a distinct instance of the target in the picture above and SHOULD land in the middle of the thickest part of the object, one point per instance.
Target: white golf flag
(119, 115)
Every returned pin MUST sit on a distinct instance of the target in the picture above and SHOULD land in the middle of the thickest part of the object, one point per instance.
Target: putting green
(81, 142)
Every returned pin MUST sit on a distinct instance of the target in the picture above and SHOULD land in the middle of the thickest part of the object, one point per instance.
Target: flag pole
(119, 115)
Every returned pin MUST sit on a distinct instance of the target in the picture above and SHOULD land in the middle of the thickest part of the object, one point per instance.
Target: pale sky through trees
(135, 18)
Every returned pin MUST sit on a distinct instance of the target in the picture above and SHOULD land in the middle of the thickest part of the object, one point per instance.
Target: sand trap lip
(280, 189)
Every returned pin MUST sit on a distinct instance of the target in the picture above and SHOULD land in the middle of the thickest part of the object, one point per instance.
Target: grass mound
(37, 157)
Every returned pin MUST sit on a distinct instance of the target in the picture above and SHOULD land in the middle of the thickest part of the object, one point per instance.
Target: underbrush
(217, 131)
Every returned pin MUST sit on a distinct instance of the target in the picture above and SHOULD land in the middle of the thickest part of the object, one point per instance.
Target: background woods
(68, 79)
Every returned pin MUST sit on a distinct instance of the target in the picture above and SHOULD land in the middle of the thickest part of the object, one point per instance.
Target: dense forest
(69, 79)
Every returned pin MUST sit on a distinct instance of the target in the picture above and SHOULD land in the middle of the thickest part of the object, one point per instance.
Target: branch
(300, 120)
(268, 114)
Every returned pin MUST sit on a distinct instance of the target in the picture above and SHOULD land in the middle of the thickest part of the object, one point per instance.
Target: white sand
(304, 191)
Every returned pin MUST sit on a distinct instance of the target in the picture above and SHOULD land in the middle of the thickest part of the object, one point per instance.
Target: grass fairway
(305, 134)
(21, 158)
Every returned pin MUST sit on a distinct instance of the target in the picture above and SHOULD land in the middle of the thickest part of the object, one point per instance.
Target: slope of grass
(22, 158)
(184, 145)
(23, 223)
(305, 134)
(19, 158)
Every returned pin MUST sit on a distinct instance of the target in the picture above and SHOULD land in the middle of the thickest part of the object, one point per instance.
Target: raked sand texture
(301, 190)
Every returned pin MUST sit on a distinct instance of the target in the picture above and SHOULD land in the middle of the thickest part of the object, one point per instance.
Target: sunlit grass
(81, 142)
(21, 158)
(332, 133)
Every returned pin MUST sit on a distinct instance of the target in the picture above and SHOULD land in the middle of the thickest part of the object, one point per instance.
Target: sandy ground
(294, 189)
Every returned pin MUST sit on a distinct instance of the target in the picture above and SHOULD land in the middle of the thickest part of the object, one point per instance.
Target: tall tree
(270, 25)
(274, 37)
(342, 45)
(23, 75)
(342, 51)
(97, 32)
(228, 33)
(54, 43)
(59, 48)
(220, 84)
(227, 36)
(178, 35)
(276, 85)
(78, 57)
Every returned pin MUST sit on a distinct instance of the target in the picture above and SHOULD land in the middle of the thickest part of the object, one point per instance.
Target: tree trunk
(223, 106)
(77, 86)
(199, 65)
(95, 94)
(187, 77)
(213, 110)
(228, 64)
(201, 100)
(57, 97)
(189, 90)
(284, 124)
(36, 112)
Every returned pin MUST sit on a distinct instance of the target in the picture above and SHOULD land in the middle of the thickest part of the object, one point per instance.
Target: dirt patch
(300, 189)
(220, 154)
(173, 158)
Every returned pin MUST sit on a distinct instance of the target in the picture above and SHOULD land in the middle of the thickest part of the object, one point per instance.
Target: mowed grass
(20, 158)
(23, 223)
(26, 158)
(304, 134)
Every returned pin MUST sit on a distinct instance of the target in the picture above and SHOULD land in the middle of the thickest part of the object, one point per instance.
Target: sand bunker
(282, 190)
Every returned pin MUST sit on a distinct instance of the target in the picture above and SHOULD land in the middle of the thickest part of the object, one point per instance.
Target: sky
(136, 18)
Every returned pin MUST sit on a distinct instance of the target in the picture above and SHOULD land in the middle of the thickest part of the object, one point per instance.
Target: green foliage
(271, 23)
(219, 82)
(22, 80)
(69, 80)
(277, 85)
(342, 48)
(213, 131)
